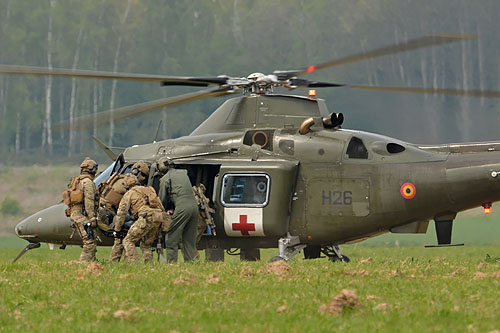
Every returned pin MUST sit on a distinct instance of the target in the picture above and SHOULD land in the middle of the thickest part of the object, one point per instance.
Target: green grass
(450, 289)
(404, 288)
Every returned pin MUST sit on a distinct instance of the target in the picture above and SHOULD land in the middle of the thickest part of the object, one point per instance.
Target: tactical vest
(112, 191)
(147, 196)
(74, 194)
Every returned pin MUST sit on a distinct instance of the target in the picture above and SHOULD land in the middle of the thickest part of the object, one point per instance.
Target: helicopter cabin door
(255, 197)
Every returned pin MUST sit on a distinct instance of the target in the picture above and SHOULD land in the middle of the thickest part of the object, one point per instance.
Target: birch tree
(123, 20)
(72, 103)
(4, 83)
(47, 125)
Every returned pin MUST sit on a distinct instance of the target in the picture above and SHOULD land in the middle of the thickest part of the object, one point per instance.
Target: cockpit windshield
(114, 167)
(105, 174)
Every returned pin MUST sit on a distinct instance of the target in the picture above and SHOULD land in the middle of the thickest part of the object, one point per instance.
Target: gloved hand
(93, 222)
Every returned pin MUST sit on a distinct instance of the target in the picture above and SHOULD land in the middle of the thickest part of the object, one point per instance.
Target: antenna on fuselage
(157, 130)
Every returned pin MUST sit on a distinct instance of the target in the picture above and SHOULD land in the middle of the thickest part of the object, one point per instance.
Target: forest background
(235, 37)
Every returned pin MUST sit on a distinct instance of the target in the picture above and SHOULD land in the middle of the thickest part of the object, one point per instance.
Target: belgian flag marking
(408, 190)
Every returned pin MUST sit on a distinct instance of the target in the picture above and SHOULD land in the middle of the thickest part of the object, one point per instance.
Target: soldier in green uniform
(146, 209)
(175, 186)
(81, 200)
(110, 199)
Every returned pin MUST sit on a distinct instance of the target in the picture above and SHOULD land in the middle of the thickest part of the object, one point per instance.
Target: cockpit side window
(245, 190)
(356, 149)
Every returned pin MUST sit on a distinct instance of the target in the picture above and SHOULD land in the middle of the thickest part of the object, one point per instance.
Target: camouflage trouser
(138, 230)
(89, 247)
(117, 250)
(148, 242)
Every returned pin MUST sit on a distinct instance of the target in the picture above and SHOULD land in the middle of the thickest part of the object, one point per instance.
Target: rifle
(89, 230)
(160, 245)
(73, 232)
(88, 227)
(120, 234)
(205, 209)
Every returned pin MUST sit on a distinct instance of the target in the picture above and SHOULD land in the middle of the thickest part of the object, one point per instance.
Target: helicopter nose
(49, 225)
(26, 229)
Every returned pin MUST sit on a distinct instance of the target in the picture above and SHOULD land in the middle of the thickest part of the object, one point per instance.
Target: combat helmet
(165, 163)
(88, 166)
(130, 180)
(140, 168)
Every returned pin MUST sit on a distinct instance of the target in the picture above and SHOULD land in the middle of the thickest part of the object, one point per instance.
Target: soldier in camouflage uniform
(205, 213)
(107, 210)
(147, 211)
(176, 187)
(115, 194)
(81, 200)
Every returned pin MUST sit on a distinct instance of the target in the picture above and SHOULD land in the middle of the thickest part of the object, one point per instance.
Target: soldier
(81, 200)
(176, 187)
(205, 213)
(147, 211)
(141, 171)
(112, 191)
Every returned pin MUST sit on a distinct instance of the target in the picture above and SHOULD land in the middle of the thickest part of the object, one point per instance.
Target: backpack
(112, 190)
(148, 197)
(74, 195)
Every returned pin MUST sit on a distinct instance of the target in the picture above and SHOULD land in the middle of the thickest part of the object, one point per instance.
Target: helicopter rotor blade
(455, 92)
(426, 41)
(300, 83)
(164, 80)
(86, 122)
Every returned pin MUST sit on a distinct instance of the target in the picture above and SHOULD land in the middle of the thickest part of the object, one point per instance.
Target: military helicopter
(282, 172)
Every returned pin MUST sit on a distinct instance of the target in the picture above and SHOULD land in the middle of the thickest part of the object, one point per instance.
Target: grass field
(33, 188)
(398, 289)
(395, 284)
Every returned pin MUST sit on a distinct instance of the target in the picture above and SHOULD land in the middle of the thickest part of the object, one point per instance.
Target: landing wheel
(342, 258)
(312, 251)
(276, 258)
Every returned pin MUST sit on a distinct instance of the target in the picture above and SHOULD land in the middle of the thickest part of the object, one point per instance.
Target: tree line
(236, 37)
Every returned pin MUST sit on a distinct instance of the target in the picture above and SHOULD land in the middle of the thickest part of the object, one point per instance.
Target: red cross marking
(244, 227)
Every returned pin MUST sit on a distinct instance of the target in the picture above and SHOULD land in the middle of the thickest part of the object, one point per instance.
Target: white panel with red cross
(240, 222)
